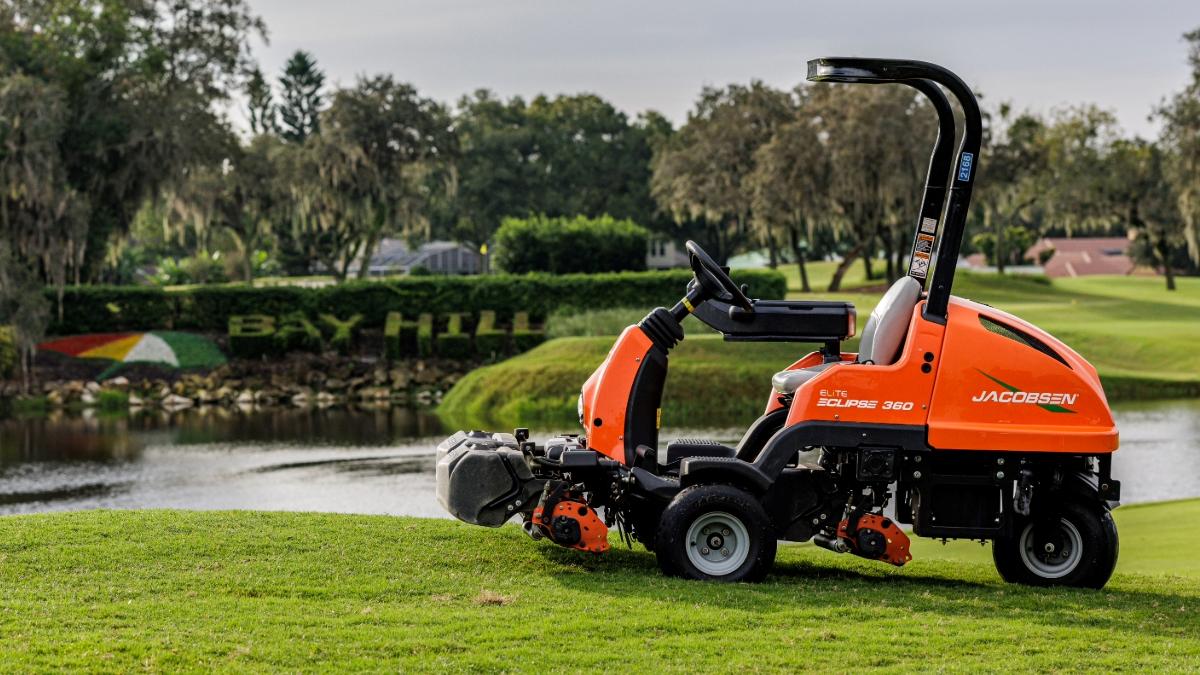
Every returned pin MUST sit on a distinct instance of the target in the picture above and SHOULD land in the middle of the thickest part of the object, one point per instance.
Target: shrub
(100, 309)
(112, 401)
(564, 245)
(297, 332)
(399, 336)
(454, 342)
(490, 341)
(106, 309)
(425, 335)
(524, 337)
(252, 335)
(343, 331)
(209, 307)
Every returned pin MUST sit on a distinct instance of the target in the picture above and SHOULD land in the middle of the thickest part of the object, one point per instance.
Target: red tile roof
(1084, 256)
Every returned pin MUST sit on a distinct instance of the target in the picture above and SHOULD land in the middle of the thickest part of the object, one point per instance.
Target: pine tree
(301, 85)
(261, 105)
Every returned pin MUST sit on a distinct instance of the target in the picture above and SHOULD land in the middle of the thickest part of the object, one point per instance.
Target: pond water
(358, 461)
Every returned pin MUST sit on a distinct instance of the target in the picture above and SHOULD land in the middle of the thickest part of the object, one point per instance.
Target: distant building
(1083, 256)
(393, 256)
(662, 254)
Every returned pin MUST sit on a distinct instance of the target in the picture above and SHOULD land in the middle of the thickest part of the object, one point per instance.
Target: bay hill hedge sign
(100, 309)
(454, 335)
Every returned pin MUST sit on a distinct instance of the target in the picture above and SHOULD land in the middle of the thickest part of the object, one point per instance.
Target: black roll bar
(960, 175)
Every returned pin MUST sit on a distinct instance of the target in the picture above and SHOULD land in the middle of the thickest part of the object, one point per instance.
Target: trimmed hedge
(566, 245)
(94, 309)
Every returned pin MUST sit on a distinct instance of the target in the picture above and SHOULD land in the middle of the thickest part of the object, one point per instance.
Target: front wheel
(715, 532)
(1067, 544)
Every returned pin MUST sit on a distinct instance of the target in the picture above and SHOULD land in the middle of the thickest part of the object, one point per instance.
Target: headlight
(579, 409)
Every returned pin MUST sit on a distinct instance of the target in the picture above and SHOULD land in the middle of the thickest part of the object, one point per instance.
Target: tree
(241, 198)
(260, 106)
(494, 170)
(1181, 139)
(703, 171)
(24, 309)
(872, 136)
(1133, 190)
(590, 160)
(300, 85)
(369, 168)
(562, 156)
(791, 184)
(130, 89)
(1012, 178)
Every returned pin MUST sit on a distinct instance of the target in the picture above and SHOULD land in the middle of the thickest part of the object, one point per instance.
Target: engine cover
(483, 479)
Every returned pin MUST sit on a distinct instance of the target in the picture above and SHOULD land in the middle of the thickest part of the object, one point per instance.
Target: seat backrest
(888, 325)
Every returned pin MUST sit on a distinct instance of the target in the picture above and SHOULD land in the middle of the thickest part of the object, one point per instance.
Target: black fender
(784, 445)
(699, 470)
(661, 488)
(1086, 486)
(756, 437)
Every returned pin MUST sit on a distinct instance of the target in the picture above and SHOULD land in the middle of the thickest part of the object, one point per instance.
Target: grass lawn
(198, 591)
(541, 386)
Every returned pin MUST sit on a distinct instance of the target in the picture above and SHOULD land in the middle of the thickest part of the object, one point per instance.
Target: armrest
(781, 320)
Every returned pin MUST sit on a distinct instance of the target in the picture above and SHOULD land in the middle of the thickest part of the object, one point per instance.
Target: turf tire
(694, 503)
(1100, 546)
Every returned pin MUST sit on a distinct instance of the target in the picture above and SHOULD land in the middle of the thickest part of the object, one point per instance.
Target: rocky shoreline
(299, 380)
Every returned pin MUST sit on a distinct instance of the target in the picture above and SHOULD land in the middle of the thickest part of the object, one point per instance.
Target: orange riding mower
(954, 418)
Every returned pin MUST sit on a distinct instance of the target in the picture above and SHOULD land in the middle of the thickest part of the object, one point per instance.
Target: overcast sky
(1123, 55)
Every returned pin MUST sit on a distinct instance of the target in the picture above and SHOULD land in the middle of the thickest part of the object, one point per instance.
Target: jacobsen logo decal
(1050, 401)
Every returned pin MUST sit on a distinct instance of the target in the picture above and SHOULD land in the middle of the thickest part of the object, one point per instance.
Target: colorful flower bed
(166, 348)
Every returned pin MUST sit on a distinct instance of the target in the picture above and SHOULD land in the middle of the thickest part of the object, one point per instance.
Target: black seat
(881, 339)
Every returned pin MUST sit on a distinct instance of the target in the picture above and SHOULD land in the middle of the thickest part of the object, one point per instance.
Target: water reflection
(371, 460)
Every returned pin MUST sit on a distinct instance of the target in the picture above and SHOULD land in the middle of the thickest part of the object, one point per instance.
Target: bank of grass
(710, 382)
(1140, 337)
(202, 591)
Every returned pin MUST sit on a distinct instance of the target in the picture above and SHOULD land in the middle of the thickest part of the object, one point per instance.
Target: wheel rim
(1051, 550)
(718, 543)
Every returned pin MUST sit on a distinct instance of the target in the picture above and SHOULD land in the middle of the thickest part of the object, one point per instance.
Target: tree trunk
(890, 265)
(368, 251)
(26, 358)
(798, 251)
(867, 267)
(1164, 255)
(998, 246)
(835, 283)
(772, 251)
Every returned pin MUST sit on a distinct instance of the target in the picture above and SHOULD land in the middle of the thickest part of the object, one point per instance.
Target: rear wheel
(1069, 543)
(715, 532)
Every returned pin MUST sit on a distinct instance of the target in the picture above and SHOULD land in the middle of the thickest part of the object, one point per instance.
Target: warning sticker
(929, 225)
(924, 244)
(919, 266)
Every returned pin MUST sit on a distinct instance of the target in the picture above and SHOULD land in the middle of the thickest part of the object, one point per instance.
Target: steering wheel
(715, 279)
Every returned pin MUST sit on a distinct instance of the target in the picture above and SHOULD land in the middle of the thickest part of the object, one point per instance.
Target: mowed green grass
(237, 591)
(710, 381)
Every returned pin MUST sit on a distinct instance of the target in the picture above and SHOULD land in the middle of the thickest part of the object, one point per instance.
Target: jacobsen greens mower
(972, 422)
